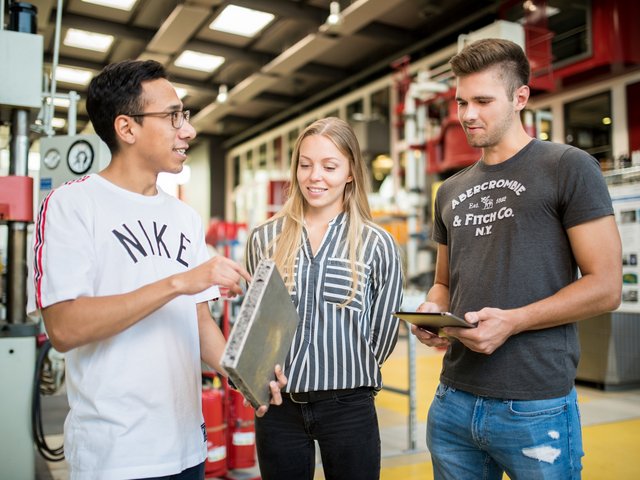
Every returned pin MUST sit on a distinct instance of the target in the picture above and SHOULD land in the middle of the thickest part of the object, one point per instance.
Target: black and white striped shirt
(334, 347)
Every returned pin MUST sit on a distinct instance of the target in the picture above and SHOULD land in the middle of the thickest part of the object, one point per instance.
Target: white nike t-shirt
(135, 398)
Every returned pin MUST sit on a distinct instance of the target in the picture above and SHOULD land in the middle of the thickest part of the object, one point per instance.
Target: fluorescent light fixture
(198, 61)
(241, 21)
(58, 122)
(73, 75)
(119, 4)
(181, 92)
(88, 40)
(62, 102)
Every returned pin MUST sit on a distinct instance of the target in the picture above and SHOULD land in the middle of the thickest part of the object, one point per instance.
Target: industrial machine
(67, 157)
(22, 103)
(20, 99)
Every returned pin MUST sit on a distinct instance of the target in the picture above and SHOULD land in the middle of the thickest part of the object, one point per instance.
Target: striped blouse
(338, 347)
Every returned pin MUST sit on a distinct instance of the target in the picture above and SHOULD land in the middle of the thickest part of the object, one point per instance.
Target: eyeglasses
(177, 118)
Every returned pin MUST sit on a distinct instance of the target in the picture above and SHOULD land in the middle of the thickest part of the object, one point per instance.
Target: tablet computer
(433, 321)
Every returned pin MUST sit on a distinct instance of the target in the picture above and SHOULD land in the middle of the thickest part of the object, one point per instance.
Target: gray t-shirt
(505, 228)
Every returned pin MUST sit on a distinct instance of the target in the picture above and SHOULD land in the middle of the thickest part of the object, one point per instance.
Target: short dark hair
(117, 90)
(483, 54)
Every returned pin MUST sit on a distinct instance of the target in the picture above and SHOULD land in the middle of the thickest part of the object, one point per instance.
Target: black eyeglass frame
(178, 117)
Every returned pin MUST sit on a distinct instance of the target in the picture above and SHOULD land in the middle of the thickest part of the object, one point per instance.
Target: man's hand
(495, 326)
(426, 337)
(275, 387)
(218, 270)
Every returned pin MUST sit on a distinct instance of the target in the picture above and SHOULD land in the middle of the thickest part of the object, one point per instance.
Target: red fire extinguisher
(213, 412)
(241, 436)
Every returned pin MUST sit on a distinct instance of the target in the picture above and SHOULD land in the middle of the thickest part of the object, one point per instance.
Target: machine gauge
(80, 157)
(52, 158)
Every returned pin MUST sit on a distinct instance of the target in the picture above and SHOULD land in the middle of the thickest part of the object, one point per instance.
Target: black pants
(345, 426)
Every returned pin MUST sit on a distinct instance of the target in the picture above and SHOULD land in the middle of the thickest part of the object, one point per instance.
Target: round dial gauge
(52, 158)
(80, 157)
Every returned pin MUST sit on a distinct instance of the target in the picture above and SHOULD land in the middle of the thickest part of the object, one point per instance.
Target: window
(262, 157)
(236, 171)
(588, 126)
(571, 26)
(293, 136)
(355, 111)
(570, 23)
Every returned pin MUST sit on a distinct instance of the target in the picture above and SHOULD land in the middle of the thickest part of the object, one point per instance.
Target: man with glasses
(122, 280)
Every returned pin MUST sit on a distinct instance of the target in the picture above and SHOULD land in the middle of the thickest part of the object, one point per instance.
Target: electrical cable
(50, 454)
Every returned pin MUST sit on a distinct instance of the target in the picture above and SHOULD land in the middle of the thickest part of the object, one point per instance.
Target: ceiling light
(119, 4)
(61, 102)
(73, 75)
(88, 40)
(334, 18)
(58, 122)
(548, 12)
(181, 92)
(223, 93)
(241, 21)
(198, 61)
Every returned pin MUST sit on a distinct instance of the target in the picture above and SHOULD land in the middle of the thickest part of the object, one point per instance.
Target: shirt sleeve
(387, 298)
(62, 238)
(582, 189)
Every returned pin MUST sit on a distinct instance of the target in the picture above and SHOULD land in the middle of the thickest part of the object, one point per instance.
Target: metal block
(262, 334)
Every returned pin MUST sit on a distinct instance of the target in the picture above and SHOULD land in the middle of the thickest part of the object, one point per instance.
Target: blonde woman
(344, 275)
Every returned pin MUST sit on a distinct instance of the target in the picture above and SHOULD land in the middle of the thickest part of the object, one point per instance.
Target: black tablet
(433, 321)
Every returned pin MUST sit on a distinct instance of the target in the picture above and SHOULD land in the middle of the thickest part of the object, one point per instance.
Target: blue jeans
(345, 427)
(193, 473)
(474, 437)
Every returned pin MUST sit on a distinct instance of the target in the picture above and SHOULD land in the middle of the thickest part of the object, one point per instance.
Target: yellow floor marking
(395, 373)
(611, 450)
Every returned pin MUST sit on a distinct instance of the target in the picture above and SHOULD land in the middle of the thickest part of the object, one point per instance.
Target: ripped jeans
(472, 437)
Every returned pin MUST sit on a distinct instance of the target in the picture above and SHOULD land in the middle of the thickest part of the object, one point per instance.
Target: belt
(311, 397)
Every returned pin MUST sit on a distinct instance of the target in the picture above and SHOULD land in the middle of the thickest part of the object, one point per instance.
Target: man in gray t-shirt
(513, 231)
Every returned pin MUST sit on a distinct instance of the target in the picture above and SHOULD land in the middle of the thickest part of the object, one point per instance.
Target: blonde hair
(355, 201)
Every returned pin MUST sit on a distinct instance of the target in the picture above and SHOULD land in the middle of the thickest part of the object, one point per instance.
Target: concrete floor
(610, 419)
